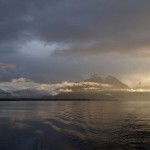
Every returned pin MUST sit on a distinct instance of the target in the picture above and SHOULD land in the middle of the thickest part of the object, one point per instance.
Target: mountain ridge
(111, 80)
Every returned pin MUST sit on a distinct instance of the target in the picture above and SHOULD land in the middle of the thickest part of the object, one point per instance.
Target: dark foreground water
(69, 125)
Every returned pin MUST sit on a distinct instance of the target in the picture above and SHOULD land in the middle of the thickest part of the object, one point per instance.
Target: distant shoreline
(40, 99)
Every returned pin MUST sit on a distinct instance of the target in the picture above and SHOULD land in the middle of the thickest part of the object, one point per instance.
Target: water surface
(70, 125)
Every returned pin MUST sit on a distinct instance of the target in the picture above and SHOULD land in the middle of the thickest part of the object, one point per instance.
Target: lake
(75, 125)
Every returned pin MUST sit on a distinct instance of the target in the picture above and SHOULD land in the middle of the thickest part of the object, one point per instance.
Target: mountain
(113, 81)
(95, 78)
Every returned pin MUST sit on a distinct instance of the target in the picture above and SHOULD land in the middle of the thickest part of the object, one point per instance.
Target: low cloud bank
(27, 88)
(23, 84)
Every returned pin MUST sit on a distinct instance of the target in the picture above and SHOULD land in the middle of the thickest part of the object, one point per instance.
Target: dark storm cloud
(33, 32)
(112, 25)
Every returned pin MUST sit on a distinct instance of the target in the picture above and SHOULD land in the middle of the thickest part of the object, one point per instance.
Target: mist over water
(70, 125)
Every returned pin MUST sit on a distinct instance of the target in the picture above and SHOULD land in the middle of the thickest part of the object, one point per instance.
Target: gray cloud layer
(112, 25)
(34, 32)
(6, 66)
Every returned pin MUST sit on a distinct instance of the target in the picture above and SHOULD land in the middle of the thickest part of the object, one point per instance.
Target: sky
(51, 41)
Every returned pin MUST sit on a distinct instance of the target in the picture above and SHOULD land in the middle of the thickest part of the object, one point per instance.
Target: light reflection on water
(70, 125)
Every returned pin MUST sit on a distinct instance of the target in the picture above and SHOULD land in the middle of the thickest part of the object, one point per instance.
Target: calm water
(113, 125)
